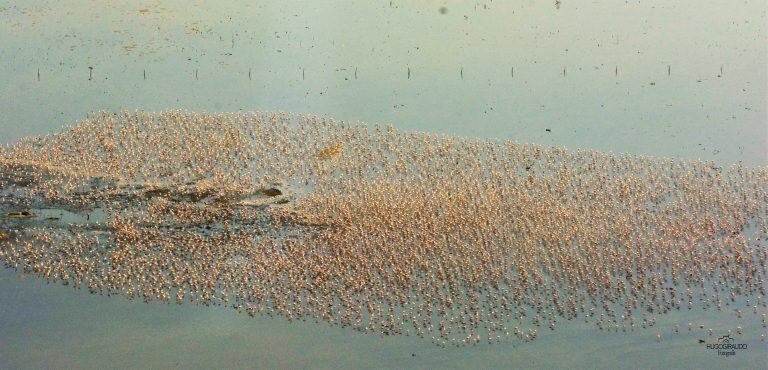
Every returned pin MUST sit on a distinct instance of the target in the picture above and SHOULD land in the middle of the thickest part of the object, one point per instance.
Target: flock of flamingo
(454, 239)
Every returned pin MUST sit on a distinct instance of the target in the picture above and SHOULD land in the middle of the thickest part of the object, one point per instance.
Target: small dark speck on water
(548, 130)
(443, 10)
(413, 355)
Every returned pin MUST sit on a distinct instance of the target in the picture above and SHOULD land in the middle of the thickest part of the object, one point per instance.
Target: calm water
(684, 80)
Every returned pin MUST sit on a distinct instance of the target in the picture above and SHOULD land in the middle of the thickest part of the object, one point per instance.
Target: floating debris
(19, 214)
(272, 192)
(331, 151)
(130, 48)
(157, 193)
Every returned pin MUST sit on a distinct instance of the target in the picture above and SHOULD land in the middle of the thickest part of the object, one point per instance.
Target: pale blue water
(56, 326)
(683, 79)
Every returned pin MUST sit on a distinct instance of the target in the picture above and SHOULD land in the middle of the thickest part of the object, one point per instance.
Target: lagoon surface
(684, 80)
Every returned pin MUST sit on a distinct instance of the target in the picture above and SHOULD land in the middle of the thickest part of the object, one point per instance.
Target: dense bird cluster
(461, 240)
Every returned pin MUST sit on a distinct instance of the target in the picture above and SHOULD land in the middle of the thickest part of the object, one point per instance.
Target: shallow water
(55, 326)
(639, 78)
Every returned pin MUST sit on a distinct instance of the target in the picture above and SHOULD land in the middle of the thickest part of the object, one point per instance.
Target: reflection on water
(55, 326)
(679, 80)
